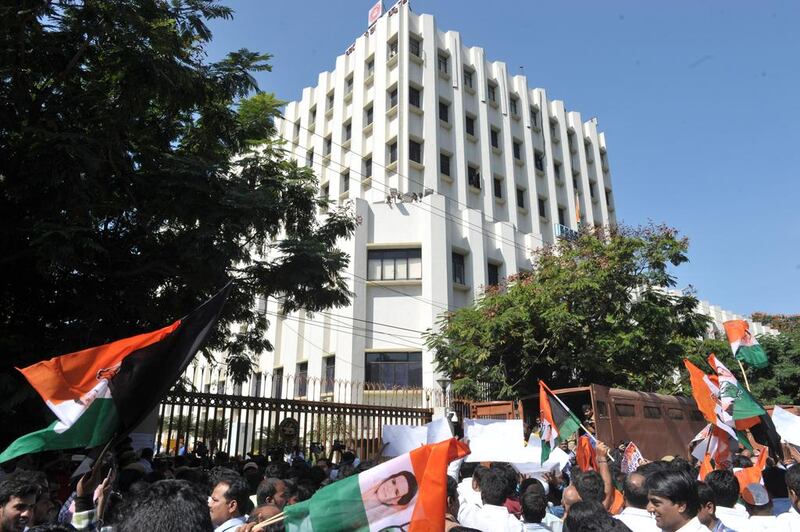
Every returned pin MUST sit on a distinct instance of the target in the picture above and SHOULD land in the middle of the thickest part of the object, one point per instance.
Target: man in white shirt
(469, 489)
(491, 516)
(635, 515)
(672, 498)
(726, 492)
(790, 521)
(759, 507)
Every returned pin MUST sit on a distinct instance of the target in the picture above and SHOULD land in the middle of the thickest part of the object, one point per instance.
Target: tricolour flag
(706, 394)
(734, 398)
(558, 421)
(585, 455)
(407, 493)
(744, 345)
(106, 391)
(752, 474)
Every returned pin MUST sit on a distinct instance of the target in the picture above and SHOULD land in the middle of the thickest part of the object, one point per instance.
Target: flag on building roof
(744, 345)
(407, 493)
(106, 391)
(558, 421)
(734, 398)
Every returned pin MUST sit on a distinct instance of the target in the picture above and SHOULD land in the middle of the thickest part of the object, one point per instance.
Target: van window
(624, 410)
(696, 415)
(675, 413)
(602, 410)
(652, 412)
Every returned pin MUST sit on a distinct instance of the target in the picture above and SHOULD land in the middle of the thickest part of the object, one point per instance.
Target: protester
(491, 515)
(534, 510)
(18, 493)
(166, 506)
(790, 521)
(228, 503)
(635, 514)
(759, 507)
(450, 519)
(539, 489)
(672, 498)
(591, 516)
(707, 513)
(271, 491)
(726, 493)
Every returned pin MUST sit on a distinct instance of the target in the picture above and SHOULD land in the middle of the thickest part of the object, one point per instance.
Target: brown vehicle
(659, 424)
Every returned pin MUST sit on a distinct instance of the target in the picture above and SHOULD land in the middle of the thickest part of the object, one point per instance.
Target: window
(521, 198)
(329, 370)
(538, 160)
(444, 111)
(517, 146)
(329, 101)
(414, 96)
(301, 380)
(444, 164)
(414, 46)
(571, 141)
(327, 145)
(624, 410)
(221, 386)
(675, 413)
(498, 187)
(326, 191)
(370, 67)
(491, 92)
(392, 97)
(297, 129)
(541, 203)
(473, 176)
(345, 182)
(392, 49)
(562, 218)
(512, 105)
(652, 412)
(255, 384)
(394, 264)
(601, 409)
(591, 190)
(277, 383)
(553, 129)
(393, 152)
(534, 117)
(415, 151)
(459, 270)
(348, 84)
(468, 78)
(397, 369)
(493, 274)
(575, 183)
(495, 136)
(608, 197)
(348, 131)
(469, 124)
(557, 170)
(441, 62)
(368, 167)
(207, 387)
(310, 157)
(368, 115)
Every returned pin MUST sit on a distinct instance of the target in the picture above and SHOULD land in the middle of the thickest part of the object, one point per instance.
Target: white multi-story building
(457, 169)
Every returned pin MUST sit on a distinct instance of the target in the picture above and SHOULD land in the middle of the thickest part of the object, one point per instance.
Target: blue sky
(698, 99)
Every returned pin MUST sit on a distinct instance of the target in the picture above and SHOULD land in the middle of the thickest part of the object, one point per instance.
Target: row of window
(406, 264)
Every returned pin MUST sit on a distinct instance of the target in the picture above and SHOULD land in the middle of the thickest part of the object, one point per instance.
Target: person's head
(775, 482)
(271, 491)
(165, 506)
(263, 512)
(509, 474)
(672, 498)
(397, 490)
(756, 500)
(569, 497)
(493, 488)
(147, 454)
(44, 508)
(228, 499)
(325, 464)
(584, 515)
(477, 476)
(590, 486)
(707, 510)
(725, 487)
(452, 496)
(534, 505)
(635, 491)
(18, 493)
(793, 485)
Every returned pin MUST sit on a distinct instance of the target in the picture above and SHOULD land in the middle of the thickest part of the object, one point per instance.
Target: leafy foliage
(592, 311)
(131, 188)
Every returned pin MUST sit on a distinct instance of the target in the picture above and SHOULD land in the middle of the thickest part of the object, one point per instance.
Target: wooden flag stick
(744, 373)
(274, 519)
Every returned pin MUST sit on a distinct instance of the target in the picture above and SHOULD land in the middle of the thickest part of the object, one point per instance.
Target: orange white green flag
(557, 421)
(744, 345)
(734, 398)
(408, 493)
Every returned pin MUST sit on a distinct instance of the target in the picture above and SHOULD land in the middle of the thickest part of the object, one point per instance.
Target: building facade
(457, 170)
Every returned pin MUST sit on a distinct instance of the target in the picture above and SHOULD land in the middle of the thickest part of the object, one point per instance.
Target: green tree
(130, 190)
(592, 311)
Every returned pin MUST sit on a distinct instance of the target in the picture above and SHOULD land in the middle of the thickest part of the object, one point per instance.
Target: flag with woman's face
(407, 493)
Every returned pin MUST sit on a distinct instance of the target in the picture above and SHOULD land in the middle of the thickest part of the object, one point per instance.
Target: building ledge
(519, 162)
(392, 61)
(497, 151)
(471, 137)
(329, 113)
(416, 165)
(398, 282)
(391, 167)
(499, 201)
(416, 110)
(469, 89)
(415, 59)
(346, 144)
(461, 287)
(366, 182)
(370, 79)
(493, 103)
(446, 178)
(392, 111)
(326, 160)
(446, 125)
(522, 210)
(367, 129)
(539, 173)
(474, 189)
(444, 75)
(348, 97)
(516, 116)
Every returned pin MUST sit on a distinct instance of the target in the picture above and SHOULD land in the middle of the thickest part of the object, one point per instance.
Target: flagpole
(744, 373)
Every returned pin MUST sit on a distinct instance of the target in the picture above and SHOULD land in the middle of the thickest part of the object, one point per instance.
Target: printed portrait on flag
(389, 495)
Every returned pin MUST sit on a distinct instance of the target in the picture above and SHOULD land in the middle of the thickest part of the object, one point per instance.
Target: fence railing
(239, 425)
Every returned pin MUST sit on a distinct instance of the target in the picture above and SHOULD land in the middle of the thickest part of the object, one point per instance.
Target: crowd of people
(128, 491)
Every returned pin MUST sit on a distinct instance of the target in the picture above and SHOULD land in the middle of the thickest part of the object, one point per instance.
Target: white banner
(787, 425)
